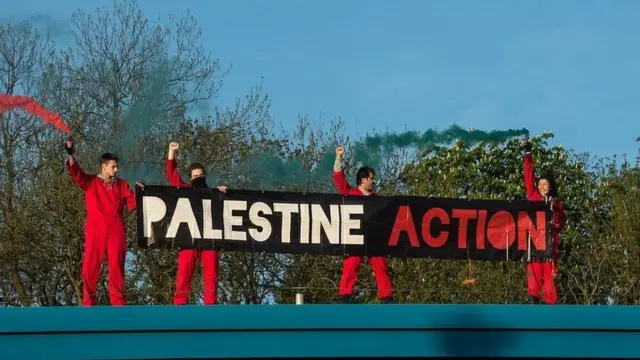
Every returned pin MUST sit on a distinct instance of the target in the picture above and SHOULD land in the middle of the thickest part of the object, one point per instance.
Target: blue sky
(572, 67)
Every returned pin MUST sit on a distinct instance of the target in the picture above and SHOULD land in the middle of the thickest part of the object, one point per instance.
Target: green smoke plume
(269, 170)
(142, 125)
(372, 148)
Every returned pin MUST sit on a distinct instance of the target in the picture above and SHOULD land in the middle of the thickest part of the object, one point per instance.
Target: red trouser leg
(549, 288)
(94, 251)
(210, 260)
(534, 278)
(186, 264)
(349, 277)
(381, 271)
(116, 253)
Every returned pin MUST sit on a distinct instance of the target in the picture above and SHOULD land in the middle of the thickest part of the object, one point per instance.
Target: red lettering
(525, 227)
(426, 227)
(480, 229)
(501, 230)
(404, 222)
(464, 216)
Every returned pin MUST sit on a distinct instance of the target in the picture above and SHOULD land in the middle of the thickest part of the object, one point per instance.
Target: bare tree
(22, 53)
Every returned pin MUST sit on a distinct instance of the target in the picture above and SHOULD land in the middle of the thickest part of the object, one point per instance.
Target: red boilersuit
(541, 274)
(105, 233)
(352, 263)
(209, 259)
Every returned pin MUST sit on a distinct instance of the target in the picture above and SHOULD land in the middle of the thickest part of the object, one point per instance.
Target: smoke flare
(11, 102)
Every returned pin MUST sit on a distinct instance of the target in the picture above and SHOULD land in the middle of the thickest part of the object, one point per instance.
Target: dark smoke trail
(370, 150)
(269, 169)
(45, 24)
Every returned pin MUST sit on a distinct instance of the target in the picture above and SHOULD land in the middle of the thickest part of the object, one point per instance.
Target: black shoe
(345, 299)
(387, 300)
(534, 300)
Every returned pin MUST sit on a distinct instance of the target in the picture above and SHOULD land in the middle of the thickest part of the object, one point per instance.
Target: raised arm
(338, 173)
(529, 177)
(79, 177)
(172, 167)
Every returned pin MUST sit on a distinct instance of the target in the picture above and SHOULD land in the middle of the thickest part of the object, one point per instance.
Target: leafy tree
(615, 279)
(487, 171)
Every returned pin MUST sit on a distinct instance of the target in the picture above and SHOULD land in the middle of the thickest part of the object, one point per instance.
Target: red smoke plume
(10, 102)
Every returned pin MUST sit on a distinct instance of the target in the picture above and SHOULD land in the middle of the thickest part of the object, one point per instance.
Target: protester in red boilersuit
(541, 273)
(365, 178)
(105, 197)
(209, 259)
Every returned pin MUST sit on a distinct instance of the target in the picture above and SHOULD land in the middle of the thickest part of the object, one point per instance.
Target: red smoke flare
(10, 102)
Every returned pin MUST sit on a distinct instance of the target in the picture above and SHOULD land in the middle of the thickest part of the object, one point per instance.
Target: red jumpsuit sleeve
(529, 177)
(341, 182)
(79, 177)
(172, 174)
(560, 218)
(129, 196)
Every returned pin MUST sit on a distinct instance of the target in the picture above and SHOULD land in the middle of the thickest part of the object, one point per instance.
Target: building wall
(327, 331)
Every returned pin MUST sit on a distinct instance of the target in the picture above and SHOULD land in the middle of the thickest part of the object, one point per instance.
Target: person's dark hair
(363, 173)
(106, 157)
(553, 191)
(197, 166)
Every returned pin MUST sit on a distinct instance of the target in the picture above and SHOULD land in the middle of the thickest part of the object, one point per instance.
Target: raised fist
(339, 151)
(174, 146)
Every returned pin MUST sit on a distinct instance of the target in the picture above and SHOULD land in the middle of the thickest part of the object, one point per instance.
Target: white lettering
(305, 223)
(338, 223)
(183, 214)
(260, 221)
(153, 209)
(286, 210)
(208, 232)
(320, 220)
(230, 221)
(349, 224)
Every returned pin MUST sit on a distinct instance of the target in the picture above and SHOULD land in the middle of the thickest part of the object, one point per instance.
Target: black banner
(328, 224)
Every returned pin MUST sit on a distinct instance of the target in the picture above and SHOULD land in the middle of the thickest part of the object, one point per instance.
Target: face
(196, 173)
(110, 168)
(543, 187)
(369, 183)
